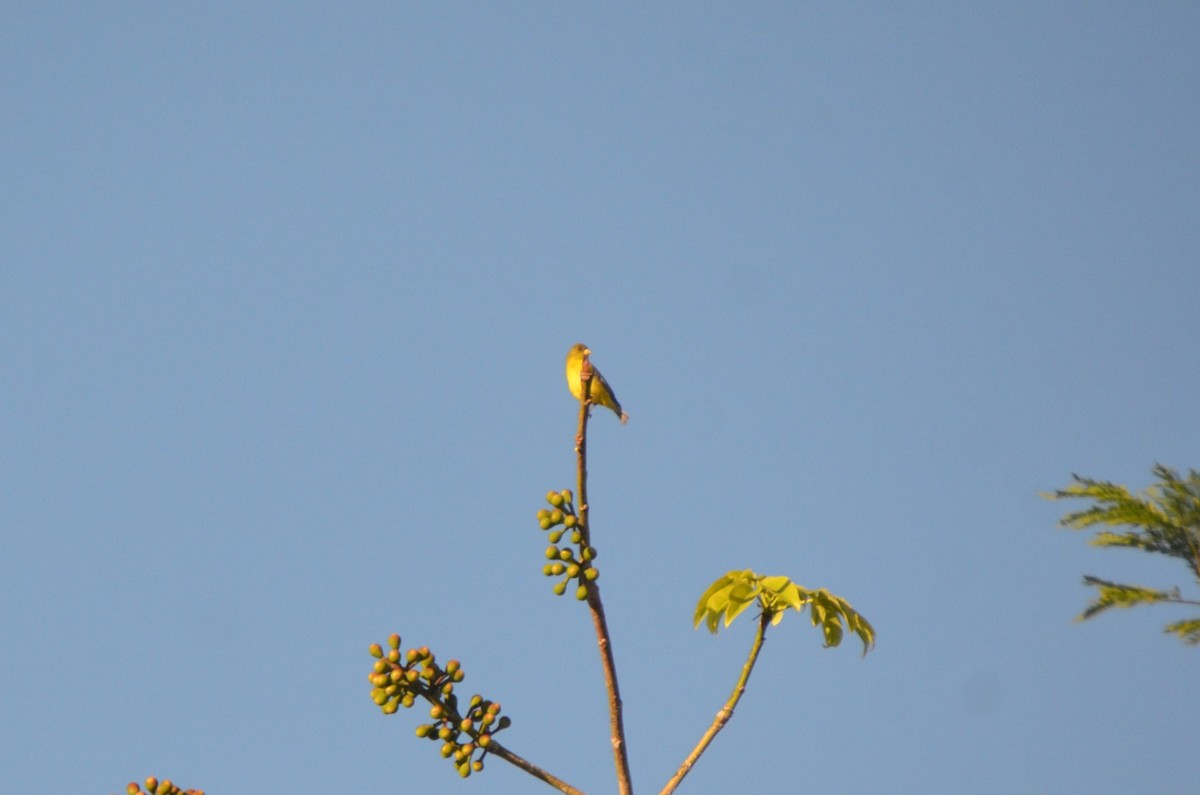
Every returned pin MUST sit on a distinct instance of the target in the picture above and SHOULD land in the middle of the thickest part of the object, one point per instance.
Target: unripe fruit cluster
(156, 787)
(572, 562)
(467, 739)
(398, 679)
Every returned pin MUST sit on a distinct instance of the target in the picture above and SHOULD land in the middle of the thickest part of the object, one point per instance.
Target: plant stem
(726, 712)
(499, 750)
(604, 640)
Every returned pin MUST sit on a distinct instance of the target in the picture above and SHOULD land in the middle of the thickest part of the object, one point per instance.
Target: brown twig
(616, 721)
(513, 759)
(726, 711)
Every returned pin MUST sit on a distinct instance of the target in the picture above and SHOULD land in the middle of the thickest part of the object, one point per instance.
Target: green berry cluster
(398, 679)
(573, 562)
(156, 787)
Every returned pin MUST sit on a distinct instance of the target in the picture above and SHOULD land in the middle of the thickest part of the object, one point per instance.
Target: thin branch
(513, 759)
(726, 711)
(604, 640)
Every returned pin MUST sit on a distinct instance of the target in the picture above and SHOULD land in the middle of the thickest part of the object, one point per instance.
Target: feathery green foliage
(1164, 519)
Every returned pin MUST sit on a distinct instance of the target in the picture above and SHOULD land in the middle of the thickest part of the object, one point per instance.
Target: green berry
(560, 588)
(581, 593)
(376, 650)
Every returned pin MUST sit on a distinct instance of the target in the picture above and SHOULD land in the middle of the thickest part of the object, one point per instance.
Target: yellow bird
(602, 393)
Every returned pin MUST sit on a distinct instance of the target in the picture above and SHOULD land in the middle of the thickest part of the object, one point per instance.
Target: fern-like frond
(1188, 631)
(1112, 594)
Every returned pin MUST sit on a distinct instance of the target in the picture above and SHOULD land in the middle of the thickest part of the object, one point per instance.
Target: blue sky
(285, 294)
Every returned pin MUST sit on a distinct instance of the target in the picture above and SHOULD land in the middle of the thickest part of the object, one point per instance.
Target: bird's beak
(587, 351)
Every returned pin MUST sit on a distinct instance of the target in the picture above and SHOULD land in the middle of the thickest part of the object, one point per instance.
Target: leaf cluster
(731, 594)
(1163, 519)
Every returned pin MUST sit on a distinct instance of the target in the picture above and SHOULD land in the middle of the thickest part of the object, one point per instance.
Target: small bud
(560, 588)
(570, 522)
(376, 650)
(591, 573)
(554, 498)
(567, 495)
(394, 640)
(581, 592)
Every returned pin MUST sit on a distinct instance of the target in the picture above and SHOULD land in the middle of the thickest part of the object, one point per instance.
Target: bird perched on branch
(602, 393)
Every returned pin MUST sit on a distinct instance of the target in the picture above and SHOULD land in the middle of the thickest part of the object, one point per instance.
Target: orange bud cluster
(155, 787)
(399, 679)
(572, 561)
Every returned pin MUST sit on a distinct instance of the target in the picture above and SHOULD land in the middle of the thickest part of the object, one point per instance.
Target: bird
(602, 393)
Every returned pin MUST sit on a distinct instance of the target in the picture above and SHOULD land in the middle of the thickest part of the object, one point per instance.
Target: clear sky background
(285, 294)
